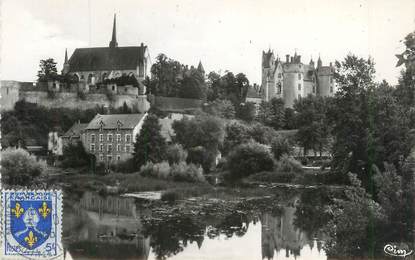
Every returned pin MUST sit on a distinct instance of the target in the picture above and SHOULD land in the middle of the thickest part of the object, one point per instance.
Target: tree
(236, 134)
(19, 167)
(175, 154)
(249, 158)
(313, 129)
(75, 156)
(272, 113)
(221, 108)
(202, 130)
(246, 111)
(47, 70)
(281, 146)
(150, 145)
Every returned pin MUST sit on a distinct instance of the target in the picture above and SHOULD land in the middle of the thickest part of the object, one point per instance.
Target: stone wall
(90, 100)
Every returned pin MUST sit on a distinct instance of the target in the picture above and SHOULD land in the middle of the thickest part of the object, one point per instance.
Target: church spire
(66, 56)
(113, 42)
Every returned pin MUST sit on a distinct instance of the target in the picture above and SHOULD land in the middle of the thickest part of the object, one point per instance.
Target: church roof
(107, 58)
(125, 121)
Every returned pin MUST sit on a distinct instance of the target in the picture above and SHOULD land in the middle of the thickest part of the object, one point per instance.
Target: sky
(223, 34)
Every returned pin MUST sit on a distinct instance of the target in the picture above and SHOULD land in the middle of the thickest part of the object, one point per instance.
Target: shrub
(288, 164)
(175, 153)
(281, 146)
(249, 158)
(127, 166)
(19, 167)
(101, 169)
(156, 170)
(187, 172)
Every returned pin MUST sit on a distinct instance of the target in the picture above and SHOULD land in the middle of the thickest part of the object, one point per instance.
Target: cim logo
(394, 250)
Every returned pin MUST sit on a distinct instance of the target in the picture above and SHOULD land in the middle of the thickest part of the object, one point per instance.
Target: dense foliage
(18, 167)
(249, 158)
(150, 145)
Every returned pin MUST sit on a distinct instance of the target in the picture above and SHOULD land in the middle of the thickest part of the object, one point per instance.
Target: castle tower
(200, 68)
(113, 42)
(319, 62)
(65, 69)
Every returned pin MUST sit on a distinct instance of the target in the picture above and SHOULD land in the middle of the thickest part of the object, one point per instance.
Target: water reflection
(112, 228)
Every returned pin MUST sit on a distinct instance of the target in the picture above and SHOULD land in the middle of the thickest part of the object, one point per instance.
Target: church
(94, 65)
(292, 79)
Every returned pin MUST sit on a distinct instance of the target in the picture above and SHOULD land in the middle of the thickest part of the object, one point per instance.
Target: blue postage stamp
(32, 224)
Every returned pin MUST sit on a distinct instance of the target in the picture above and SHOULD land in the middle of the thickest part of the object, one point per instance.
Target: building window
(118, 157)
(299, 76)
(331, 89)
(127, 148)
(109, 138)
(127, 138)
(101, 137)
(101, 147)
(109, 158)
(331, 79)
(314, 89)
(101, 157)
(118, 137)
(279, 90)
(92, 138)
(118, 148)
(92, 148)
(299, 87)
(109, 148)
(90, 78)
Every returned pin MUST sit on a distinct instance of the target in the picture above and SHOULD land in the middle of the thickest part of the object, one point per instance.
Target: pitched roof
(106, 58)
(125, 121)
(75, 130)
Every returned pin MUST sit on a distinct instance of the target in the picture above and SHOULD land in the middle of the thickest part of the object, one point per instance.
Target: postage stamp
(32, 224)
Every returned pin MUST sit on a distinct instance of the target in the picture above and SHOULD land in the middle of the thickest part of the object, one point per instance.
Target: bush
(187, 172)
(281, 146)
(101, 169)
(156, 170)
(249, 158)
(127, 166)
(288, 164)
(19, 167)
(175, 153)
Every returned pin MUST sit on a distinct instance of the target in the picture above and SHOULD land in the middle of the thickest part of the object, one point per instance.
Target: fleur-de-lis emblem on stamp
(44, 210)
(17, 210)
(30, 239)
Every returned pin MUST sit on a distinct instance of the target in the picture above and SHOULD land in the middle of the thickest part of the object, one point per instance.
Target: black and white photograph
(211, 130)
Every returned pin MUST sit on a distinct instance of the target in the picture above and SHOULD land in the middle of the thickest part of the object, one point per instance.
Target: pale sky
(223, 34)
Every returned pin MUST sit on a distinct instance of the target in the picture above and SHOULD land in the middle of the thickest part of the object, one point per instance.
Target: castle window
(92, 148)
(127, 148)
(82, 76)
(118, 137)
(109, 148)
(118, 148)
(101, 137)
(101, 157)
(92, 138)
(109, 158)
(314, 89)
(118, 157)
(101, 147)
(299, 87)
(127, 138)
(109, 138)
(299, 76)
(279, 90)
(113, 87)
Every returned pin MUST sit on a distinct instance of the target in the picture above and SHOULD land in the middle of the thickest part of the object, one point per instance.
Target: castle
(292, 79)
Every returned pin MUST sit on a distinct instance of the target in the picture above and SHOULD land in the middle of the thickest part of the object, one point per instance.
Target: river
(113, 227)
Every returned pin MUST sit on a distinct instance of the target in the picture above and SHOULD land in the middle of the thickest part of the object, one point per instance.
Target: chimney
(287, 58)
